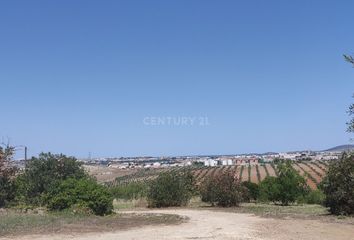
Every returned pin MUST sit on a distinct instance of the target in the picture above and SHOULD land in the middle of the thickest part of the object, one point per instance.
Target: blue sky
(82, 76)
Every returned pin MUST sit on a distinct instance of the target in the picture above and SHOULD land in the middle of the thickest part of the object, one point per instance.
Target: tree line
(54, 181)
(171, 189)
(59, 182)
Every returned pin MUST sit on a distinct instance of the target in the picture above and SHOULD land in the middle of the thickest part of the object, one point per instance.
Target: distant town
(216, 160)
(208, 161)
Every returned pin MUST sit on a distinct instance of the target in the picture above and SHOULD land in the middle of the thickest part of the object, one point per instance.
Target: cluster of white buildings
(308, 155)
(229, 161)
(269, 157)
(146, 165)
(211, 161)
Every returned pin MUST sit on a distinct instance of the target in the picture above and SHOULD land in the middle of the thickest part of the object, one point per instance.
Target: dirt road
(208, 224)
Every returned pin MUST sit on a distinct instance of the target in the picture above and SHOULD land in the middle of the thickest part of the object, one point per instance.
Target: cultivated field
(106, 174)
(312, 171)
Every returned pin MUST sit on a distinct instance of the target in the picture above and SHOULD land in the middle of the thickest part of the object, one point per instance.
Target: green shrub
(209, 190)
(269, 189)
(223, 190)
(315, 197)
(286, 188)
(252, 191)
(129, 191)
(7, 190)
(60, 201)
(7, 174)
(44, 172)
(171, 189)
(84, 192)
(338, 186)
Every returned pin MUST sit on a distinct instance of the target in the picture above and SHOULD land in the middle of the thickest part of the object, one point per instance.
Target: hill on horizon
(346, 147)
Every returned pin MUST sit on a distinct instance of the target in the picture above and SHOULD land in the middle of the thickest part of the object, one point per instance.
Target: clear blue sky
(81, 76)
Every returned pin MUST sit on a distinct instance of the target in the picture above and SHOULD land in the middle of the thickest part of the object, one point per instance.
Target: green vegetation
(54, 181)
(44, 173)
(253, 191)
(82, 193)
(269, 190)
(7, 174)
(222, 190)
(278, 160)
(338, 186)
(198, 164)
(313, 197)
(279, 211)
(274, 168)
(171, 189)
(119, 204)
(59, 183)
(132, 190)
(286, 188)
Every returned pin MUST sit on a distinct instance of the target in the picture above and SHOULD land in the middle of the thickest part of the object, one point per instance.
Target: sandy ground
(208, 224)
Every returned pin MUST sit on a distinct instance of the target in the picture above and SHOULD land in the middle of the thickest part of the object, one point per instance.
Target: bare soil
(210, 224)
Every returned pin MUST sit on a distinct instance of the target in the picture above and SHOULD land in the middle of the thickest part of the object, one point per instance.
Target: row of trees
(226, 190)
(54, 181)
(176, 188)
(338, 186)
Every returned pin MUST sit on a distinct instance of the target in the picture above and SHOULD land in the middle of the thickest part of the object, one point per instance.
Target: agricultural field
(312, 171)
(106, 174)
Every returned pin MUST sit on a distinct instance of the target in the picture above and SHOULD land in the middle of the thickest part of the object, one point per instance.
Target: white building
(210, 163)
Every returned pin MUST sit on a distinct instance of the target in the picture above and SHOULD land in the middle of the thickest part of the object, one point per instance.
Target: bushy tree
(291, 184)
(84, 192)
(209, 190)
(252, 191)
(223, 190)
(269, 189)
(7, 174)
(286, 188)
(171, 189)
(43, 173)
(350, 124)
(338, 185)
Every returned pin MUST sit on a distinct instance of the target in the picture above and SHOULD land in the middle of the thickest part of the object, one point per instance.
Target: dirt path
(306, 230)
(208, 224)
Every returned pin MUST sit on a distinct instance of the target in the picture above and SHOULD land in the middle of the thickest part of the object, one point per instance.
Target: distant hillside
(341, 148)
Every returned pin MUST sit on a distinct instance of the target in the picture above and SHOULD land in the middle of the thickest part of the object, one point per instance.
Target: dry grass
(107, 174)
(122, 204)
(305, 211)
(16, 223)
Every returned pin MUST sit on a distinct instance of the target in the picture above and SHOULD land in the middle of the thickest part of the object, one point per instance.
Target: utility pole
(24, 148)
